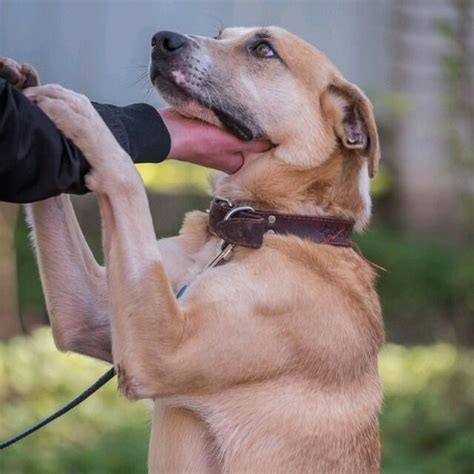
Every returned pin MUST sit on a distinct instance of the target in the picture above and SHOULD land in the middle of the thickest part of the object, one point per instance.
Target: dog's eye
(263, 50)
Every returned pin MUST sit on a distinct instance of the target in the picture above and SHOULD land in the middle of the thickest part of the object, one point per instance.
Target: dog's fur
(269, 362)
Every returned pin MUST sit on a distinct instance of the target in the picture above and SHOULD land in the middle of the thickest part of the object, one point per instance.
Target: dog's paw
(21, 76)
(120, 179)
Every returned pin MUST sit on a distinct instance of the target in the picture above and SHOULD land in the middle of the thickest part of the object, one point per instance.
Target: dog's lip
(229, 122)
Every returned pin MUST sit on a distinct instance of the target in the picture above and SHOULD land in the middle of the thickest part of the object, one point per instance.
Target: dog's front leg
(73, 282)
(144, 310)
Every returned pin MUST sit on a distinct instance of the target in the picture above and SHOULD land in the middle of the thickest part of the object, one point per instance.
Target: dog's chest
(199, 262)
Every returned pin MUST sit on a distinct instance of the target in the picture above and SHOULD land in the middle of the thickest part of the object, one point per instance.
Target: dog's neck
(337, 188)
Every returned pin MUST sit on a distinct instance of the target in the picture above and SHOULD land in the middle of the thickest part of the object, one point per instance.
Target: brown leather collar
(246, 227)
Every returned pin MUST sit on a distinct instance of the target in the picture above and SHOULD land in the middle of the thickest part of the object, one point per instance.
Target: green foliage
(428, 417)
(427, 423)
(29, 287)
(463, 279)
(426, 291)
(390, 106)
(455, 63)
(382, 183)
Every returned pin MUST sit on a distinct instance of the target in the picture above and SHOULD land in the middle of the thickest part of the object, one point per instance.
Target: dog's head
(268, 83)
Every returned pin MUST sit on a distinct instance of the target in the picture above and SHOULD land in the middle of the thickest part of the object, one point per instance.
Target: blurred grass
(427, 423)
(106, 434)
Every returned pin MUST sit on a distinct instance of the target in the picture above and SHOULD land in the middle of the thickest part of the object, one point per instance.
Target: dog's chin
(191, 104)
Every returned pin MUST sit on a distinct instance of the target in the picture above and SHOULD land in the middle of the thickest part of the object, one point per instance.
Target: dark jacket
(37, 161)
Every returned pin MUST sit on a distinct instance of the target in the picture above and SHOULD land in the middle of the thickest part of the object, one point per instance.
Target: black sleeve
(139, 129)
(37, 161)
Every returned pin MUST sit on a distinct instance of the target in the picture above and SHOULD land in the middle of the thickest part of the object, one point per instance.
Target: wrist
(177, 132)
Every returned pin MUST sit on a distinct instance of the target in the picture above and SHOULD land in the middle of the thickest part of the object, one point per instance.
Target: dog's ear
(354, 121)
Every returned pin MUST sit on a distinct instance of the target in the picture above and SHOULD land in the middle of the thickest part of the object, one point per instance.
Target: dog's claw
(21, 76)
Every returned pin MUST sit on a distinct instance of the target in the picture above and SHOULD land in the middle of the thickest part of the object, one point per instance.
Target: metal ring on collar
(238, 209)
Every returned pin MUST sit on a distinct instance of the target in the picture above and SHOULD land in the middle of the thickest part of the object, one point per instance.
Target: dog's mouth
(191, 102)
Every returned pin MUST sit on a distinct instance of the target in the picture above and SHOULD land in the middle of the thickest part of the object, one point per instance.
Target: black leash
(101, 381)
(69, 406)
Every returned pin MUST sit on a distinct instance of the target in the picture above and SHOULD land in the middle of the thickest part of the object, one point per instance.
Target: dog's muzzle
(166, 45)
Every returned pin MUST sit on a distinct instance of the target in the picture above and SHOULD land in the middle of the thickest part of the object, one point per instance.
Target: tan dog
(268, 363)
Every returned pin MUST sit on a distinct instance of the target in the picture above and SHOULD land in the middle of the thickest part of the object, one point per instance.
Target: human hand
(203, 144)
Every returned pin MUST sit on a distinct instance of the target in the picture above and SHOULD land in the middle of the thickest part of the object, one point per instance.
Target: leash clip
(225, 249)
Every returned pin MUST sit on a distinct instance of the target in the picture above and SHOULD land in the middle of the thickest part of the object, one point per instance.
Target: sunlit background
(415, 59)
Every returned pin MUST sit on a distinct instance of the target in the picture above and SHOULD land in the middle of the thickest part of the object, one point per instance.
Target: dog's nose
(168, 42)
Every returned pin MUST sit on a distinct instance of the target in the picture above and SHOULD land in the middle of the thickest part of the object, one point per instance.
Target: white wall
(101, 47)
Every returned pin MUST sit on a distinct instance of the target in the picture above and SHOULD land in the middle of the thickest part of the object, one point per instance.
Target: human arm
(37, 161)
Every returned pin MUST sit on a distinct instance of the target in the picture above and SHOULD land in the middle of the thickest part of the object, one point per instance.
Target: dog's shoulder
(341, 266)
(336, 282)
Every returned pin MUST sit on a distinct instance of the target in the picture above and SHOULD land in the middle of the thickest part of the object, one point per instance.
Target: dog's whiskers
(141, 78)
(217, 95)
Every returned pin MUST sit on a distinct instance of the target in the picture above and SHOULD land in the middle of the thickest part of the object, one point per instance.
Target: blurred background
(415, 59)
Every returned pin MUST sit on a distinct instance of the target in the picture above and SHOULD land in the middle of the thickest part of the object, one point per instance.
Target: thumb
(258, 146)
